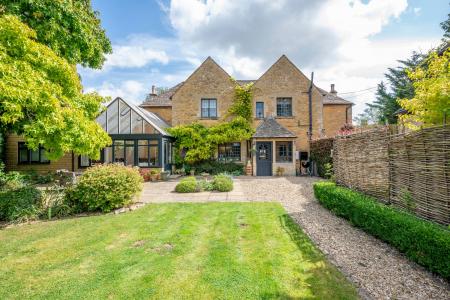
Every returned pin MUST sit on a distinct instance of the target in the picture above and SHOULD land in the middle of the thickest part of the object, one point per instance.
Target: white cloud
(129, 89)
(334, 38)
(134, 57)
(340, 40)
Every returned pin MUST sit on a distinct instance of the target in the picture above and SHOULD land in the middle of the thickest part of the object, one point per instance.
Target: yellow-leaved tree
(431, 102)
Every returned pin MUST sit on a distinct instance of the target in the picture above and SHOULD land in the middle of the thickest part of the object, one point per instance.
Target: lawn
(169, 251)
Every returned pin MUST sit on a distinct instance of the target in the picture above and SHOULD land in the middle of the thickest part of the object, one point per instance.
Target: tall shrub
(106, 187)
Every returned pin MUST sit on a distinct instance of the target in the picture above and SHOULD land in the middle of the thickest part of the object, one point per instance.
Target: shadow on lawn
(300, 239)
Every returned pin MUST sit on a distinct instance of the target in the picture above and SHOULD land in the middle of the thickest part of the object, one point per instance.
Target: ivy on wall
(196, 142)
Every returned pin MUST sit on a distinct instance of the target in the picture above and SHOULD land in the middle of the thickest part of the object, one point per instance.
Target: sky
(350, 43)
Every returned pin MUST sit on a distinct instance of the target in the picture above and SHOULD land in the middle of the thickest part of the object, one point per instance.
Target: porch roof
(270, 128)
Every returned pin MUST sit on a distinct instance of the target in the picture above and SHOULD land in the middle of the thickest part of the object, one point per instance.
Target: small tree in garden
(431, 102)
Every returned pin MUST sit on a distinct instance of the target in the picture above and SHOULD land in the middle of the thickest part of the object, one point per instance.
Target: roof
(270, 128)
(158, 123)
(163, 99)
(329, 98)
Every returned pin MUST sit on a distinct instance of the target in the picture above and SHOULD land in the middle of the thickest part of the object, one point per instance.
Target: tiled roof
(163, 99)
(270, 128)
(329, 98)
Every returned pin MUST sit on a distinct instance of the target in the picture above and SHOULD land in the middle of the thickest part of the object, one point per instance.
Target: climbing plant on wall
(196, 142)
(242, 104)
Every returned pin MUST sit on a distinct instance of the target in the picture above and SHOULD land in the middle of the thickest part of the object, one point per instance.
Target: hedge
(105, 187)
(422, 241)
(216, 167)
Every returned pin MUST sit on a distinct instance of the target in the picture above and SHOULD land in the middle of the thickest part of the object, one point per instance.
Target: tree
(69, 27)
(41, 96)
(431, 102)
(445, 25)
(400, 86)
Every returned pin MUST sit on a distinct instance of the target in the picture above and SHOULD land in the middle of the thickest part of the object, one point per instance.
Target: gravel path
(378, 270)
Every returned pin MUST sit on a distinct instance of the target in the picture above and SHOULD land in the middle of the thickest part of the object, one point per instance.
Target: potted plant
(280, 171)
(153, 175)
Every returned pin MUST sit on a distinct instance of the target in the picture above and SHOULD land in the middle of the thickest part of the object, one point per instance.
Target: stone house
(288, 112)
(280, 107)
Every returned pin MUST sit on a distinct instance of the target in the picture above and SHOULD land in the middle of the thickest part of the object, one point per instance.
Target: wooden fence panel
(409, 170)
(420, 173)
(361, 162)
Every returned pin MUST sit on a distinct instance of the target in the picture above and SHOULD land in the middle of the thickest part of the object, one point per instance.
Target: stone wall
(334, 117)
(164, 112)
(284, 79)
(208, 81)
(12, 159)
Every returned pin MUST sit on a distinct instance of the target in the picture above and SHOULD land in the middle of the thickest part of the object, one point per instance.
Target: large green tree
(41, 95)
(69, 27)
(399, 86)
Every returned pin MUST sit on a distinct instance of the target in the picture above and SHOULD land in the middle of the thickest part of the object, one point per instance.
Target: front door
(263, 159)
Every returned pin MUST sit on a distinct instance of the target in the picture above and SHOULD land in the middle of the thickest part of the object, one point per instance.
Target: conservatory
(139, 137)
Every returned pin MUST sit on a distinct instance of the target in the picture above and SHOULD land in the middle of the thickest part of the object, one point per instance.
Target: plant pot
(165, 175)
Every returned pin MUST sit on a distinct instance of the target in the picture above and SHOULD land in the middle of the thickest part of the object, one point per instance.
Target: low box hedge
(422, 241)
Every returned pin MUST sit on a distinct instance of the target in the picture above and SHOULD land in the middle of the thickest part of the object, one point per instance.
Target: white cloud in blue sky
(349, 43)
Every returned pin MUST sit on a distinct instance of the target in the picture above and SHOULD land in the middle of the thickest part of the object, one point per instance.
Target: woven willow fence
(361, 162)
(411, 170)
(321, 154)
(420, 173)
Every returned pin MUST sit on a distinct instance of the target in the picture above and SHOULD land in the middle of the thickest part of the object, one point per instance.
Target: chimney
(333, 91)
(153, 93)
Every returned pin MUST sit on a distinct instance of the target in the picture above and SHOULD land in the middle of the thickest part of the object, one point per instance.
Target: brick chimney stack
(333, 91)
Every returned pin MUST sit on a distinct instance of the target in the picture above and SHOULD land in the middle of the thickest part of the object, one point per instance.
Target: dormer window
(209, 108)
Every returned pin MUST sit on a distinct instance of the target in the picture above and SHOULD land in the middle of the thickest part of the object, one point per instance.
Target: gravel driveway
(378, 270)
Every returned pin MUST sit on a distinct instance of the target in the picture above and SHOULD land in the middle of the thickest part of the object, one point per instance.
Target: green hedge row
(424, 242)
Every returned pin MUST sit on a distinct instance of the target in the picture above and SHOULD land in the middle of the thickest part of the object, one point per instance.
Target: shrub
(187, 185)
(223, 183)
(106, 187)
(206, 185)
(21, 204)
(424, 242)
(215, 167)
(55, 204)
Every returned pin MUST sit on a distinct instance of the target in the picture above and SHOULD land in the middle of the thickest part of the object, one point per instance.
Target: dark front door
(263, 159)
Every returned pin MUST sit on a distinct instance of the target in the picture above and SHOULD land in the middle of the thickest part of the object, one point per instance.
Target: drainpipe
(310, 106)
(73, 162)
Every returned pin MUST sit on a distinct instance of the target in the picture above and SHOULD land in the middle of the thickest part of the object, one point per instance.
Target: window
(84, 161)
(284, 151)
(148, 153)
(209, 108)
(284, 107)
(27, 156)
(259, 110)
(118, 150)
(230, 151)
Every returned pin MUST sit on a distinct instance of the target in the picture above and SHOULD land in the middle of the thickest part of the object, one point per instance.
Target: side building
(139, 139)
